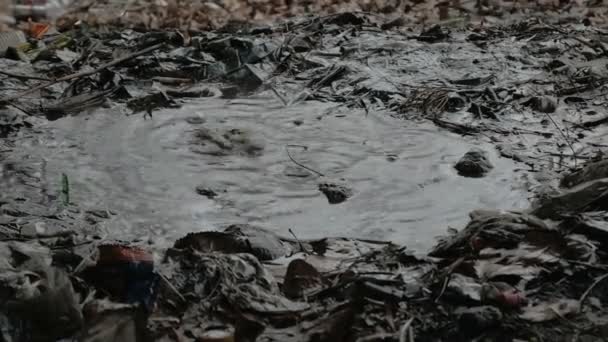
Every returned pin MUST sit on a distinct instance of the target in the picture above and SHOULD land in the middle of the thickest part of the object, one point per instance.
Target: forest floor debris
(534, 89)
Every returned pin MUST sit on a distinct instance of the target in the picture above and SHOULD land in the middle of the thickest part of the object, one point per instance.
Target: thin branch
(298, 241)
(302, 165)
(24, 77)
(565, 138)
(83, 73)
(171, 287)
(405, 329)
(586, 294)
(40, 236)
(278, 95)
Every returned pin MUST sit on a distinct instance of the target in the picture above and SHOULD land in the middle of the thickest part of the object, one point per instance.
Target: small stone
(230, 92)
(195, 120)
(207, 192)
(474, 163)
(335, 193)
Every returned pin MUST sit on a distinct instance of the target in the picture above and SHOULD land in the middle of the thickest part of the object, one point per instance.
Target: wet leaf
(589, 172)
(464, 287)
(237, 238)
(549, 311)
(523, 254)
(489, 270)
(300, 276)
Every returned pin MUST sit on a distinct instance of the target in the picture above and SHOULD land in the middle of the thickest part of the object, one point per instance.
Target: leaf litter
(504, 276)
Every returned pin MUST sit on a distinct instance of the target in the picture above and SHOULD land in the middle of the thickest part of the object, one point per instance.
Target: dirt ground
(531, 86)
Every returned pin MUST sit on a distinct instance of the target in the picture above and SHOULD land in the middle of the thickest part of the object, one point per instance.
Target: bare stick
(565, 138)
(302, 165)
(278, 95)
(83, 73)
(403, 332)
(448, 274)
(41, 236)
(298, 241)
(586, 294)
(24, 77)
(443, 288)
(172, 288)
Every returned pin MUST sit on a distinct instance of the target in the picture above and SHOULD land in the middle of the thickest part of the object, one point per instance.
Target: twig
(586, 294)
(298, 241)
(41, 236)
(241, 67)
(25, 77)
(448, 274)
(405, 330)
(376, 337)
(22, 109)
(302, 165)
(83, 73)
(443, 288)
(565, 138)
(172, 288)
(86, 261)
(278, 95)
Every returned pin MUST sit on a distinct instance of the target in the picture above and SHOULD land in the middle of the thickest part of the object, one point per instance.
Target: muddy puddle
(147, 171)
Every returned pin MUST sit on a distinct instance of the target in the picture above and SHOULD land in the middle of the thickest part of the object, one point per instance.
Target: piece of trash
(37, 30)
(503, 295)
(41, 9)
(11, 39)
(125, 272)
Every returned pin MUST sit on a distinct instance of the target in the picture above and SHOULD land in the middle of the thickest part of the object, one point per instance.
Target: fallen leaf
(300, 276)
(549, 311)
(488, 270)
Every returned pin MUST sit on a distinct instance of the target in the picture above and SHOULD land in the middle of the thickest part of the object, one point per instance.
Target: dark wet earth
(371, 126)
(405, 188)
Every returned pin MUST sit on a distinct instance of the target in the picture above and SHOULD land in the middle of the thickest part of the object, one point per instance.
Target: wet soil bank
(276, 137)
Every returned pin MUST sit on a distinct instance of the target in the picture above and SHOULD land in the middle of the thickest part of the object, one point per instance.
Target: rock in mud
(589, 172)
(589, 196)
(238, 238)
(11, 121)
(494, 229)
(542, 104)
(335, 193)
(433, 35)
(233, 141)
(475, 163)
(206, 191)
(300, 276)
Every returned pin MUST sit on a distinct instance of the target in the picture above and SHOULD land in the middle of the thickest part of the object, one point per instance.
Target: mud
(252, 171)
(388, 111)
